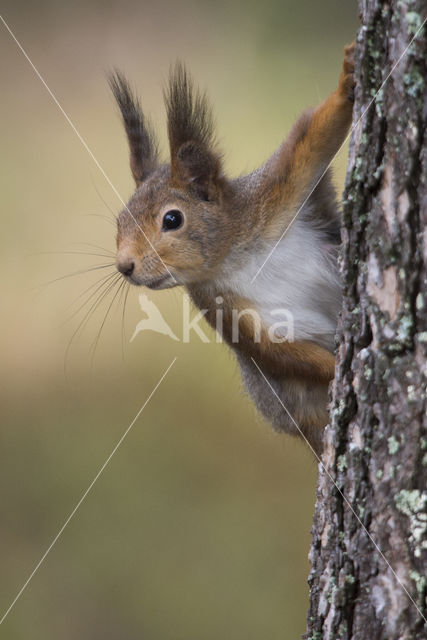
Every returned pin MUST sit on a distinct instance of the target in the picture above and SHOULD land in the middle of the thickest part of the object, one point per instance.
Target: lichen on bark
(369, 554)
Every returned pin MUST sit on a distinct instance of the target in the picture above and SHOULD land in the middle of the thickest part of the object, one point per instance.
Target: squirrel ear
(191, 134)
(142, 144)
(199, 168)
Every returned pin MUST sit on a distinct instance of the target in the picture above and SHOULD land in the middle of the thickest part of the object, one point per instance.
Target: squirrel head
(175, 229)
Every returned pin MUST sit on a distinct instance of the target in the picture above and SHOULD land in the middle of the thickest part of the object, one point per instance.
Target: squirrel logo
(154, 321)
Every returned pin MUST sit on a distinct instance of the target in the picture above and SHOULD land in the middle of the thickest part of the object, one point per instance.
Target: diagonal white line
(40, 562)
(336, 153)
(82, 140)
(323, 468)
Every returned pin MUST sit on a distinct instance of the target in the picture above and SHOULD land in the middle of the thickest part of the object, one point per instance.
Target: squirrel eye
(172, 220)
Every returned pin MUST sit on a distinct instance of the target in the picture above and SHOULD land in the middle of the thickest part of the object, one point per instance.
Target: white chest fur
(299, 282)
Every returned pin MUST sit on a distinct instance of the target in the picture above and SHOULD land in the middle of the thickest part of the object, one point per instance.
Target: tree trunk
(368, 578)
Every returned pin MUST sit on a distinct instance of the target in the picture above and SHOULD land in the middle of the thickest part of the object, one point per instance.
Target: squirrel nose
(126, 267)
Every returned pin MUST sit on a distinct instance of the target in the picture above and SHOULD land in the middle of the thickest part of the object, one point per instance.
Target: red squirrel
(189, 224)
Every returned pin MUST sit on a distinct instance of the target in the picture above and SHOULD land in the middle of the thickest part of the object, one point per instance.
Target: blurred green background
(199, 527)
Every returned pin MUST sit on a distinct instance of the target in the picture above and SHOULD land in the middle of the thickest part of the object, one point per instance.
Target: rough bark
(376, 446)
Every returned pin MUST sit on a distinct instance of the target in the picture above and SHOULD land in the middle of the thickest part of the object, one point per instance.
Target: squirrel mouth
(156, 284)
(163, 282)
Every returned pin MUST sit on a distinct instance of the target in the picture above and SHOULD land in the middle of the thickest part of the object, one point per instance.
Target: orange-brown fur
(225, 221)
(304, 360)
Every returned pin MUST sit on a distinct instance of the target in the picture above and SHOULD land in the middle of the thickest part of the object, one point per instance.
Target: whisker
(120, 298)
(102, 290)
(106, 288)
(95, 246)
(77, 273)
(109, 275)
(119, 303)
(99, 283)
(98, 215)
(122, 289)
(72, 253)
(98, 335)
(102, 199)
(123, 320)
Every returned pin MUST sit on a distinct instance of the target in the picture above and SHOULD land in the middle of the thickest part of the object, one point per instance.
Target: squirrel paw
(346, 82)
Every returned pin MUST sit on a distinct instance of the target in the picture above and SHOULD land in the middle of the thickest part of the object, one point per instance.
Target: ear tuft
(189, 115)
(142, 143)
(191, 134)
